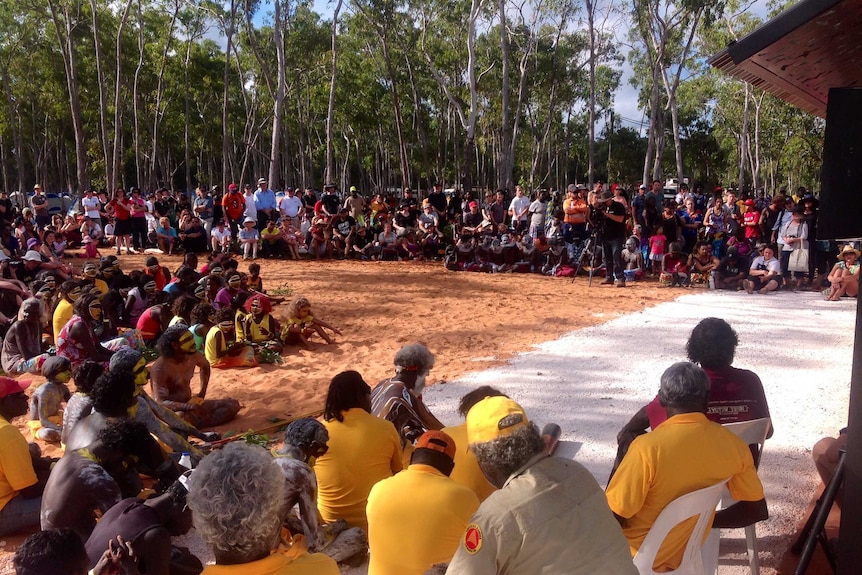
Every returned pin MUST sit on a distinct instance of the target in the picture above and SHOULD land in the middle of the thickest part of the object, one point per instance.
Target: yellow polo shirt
(16, 465)
(466, 471)
(62, 314)
(435, 508)
(363, 449)
(685, 453)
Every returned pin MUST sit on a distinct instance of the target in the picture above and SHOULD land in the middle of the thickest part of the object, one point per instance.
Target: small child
(80, 404)
(301, 325)
(91, 251)
(253, 280)
(45, 418)
(657, 243)
(249, 238)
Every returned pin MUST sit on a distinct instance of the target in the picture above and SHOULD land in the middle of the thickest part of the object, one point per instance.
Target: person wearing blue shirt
(264, 201)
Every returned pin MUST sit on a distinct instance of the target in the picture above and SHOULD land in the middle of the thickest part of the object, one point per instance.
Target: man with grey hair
(304, 441)
(399, 398)
(549, 514)
(237, 500)
(685, 453)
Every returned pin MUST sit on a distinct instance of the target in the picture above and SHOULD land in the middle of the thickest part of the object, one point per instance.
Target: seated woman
(155, 319)
(221, 348)
(702, 263)
(89, 228)
(71, 232)
(22, 346)
(844, 276)
(77, 340)
(257, 326)
(226, 296)
(765, 273)
(237, 498)
(202, 319)
(53, 247)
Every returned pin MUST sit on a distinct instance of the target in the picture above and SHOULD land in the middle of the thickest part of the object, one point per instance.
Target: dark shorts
(123, 227)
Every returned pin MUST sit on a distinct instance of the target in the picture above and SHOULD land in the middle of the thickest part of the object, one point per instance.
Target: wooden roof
(801, 53)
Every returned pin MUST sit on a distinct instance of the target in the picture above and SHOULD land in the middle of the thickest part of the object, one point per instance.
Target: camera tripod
(589, 256)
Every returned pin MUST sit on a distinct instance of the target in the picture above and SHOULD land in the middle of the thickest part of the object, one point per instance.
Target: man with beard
(399, 398)
(171, 376)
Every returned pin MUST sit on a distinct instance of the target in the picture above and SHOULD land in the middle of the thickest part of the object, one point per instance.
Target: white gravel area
(592, 380)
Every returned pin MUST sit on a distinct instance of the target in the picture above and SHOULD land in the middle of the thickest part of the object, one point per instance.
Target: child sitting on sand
(674, 267)
(45, 418)
(301, 325)
(253, 280)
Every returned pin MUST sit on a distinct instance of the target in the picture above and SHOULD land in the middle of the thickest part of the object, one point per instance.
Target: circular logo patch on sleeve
(473, 539)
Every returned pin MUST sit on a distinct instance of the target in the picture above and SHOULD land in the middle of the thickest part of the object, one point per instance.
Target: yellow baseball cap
(494, 417)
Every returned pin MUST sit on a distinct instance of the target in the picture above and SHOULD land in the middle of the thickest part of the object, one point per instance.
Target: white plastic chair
(753, 433)
(700, 503)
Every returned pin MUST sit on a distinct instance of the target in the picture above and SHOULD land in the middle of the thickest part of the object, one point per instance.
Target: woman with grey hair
(236, 496)
(399, 398)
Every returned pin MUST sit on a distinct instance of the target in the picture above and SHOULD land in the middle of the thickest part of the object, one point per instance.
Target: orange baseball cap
(437, 441)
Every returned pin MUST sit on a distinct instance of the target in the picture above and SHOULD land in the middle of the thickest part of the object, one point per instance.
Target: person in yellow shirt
(363, 449)
(70, 291)
(466, 471)
(685, 453)
(236, 495)
(424, 497)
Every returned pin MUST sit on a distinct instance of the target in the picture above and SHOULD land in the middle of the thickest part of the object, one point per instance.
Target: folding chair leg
(751, 541)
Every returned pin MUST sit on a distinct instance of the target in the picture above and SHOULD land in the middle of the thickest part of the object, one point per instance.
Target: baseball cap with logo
(494, 417)
(437, 441)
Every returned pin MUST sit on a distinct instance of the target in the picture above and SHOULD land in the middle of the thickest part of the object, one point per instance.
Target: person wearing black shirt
(309, 200)
(612, 217)
(437, 199)
(343, 228)
(6, 213)
(405, 221)
(331, 201)
(732, 270)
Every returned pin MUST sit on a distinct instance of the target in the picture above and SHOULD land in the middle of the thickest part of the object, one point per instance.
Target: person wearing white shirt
(764, 274)
(220, 238)
(291, 208)
(91, 205)
(518, 209)
(250, 208)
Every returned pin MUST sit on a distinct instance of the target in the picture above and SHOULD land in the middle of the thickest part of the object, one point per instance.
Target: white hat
(32, 256)
(37, 186)
(251, 220)
(261, 181)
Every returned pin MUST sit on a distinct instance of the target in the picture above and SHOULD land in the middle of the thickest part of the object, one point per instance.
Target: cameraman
(611, 217)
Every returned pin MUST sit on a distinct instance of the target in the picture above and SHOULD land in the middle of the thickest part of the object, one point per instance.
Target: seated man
(22, 346)
(399, 398)
(148, 526)
(61, 552)
(466, 471)
(548, 516)
(81, 483)
(732, 270)
(237, 500)
(171, 376)
(160, 421)
(304, 441)
(20, 482)
(734, 394)
(424, 497)
(685, 453)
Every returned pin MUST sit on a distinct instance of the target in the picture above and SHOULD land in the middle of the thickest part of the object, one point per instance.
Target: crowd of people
(485, 496)
(686, 238)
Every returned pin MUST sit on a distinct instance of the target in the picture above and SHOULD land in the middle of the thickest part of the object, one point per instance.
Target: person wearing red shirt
(233, 204)
(121, 209)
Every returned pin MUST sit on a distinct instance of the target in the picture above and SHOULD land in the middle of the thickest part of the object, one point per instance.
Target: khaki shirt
(550, 517)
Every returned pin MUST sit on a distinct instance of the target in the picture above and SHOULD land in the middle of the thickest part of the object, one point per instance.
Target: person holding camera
(610, 217)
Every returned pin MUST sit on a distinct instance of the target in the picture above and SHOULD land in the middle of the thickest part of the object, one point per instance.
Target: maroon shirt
(734, 395)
